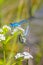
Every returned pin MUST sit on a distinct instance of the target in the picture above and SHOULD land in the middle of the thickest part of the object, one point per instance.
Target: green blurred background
(16, 10)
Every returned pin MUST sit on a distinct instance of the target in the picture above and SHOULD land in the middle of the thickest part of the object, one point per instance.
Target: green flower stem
(27, 61)
(4, 58)
(4, 54)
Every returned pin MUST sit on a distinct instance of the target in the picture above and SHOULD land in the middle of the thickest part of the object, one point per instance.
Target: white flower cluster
(24, 39)
(2, 37)
(25, 55)
(20, 28)
(16, 29)
(8, 27)
(1, 30)
(19, 55)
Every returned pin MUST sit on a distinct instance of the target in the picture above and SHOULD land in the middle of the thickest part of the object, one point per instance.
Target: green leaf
(8, 39)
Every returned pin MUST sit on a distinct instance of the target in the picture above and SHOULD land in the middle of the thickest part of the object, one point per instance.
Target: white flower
(1, 30)
(27, 55)
(5, 26)
(24, 39)
(2, 37)
(15, 30)
(19, 55)
(20, 28)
